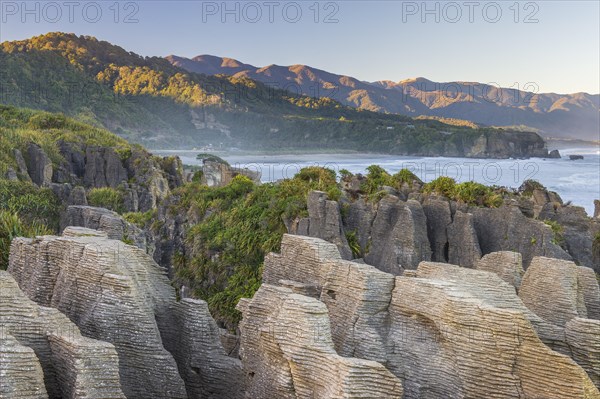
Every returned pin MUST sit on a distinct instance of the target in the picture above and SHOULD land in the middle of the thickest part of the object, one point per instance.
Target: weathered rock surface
(103, 168)
(463, 245)
(506, 264)
(116, 293)
(102, 219)
(218, 174)
(288, 352)
(44, 355)
(583, 338)
(558, 290)
(446, 331)
(325, 222)
(439, 219)
(507, 229)
(399, 236)
(450, 343)
(39, 166)
(577, 234)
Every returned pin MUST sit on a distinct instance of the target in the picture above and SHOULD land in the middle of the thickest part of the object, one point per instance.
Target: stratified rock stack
(288, 352)
(507, 229)
(445, 332)
(398, 236)
(325, 221)
(506, 264)
(102, 219)
(116, 293)
(559, 290)
(43, 354)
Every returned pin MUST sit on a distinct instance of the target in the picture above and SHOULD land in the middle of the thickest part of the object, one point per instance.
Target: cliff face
(486, 343)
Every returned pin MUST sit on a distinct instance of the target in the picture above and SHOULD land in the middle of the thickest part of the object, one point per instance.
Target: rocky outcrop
(114, 292)
(39, 165)
(439, 218)
(445, 331)
(22, 172)
(288, 352)
(554, 154)
(577, 234)
(398, 236)
(110, 222)
(219, 174)
(583, 338)
(44, 354)
(103, 168)
(325, 222)
(463, 245)
(507, 229)
(559, 291)
(506, 264)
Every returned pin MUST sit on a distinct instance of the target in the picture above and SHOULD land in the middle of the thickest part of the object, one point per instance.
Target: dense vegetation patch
(25, 211)
(240, 223)
(106, 197)
(469, 192)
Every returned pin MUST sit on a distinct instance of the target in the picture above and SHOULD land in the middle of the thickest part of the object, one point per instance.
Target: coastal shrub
(477, 194)
(140, 219)
(345, 175)
(12, 226)
(375, 179)
(404, 176)
(30, 202)
(352, 238)
(442, 185)
(107, 197)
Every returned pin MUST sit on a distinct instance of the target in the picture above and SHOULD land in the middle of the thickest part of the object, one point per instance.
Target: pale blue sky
(371, 40)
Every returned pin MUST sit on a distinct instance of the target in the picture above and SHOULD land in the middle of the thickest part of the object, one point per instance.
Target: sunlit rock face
(444, 331)
(288, 352)
(116, 293)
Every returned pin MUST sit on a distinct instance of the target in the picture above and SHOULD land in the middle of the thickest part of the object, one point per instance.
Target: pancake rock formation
(444, 331)
(44, 355)
(116, 293)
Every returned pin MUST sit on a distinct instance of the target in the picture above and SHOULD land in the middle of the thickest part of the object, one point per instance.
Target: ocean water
(575, 181)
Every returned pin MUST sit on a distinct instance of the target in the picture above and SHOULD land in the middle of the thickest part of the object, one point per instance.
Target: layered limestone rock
(463, 245)
(116, 293)
(288, 352)
(558, 290)
(44, 354)
(398, 236)
(104, 220)
(583, 338)
(39, 165)
(446, 332)
(103, 168)
(507, 229)
(325, 221)
(506, 264)
(449, 343)
(439, 219)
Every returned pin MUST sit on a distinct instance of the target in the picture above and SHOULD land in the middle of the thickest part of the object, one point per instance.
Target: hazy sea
(575, 181)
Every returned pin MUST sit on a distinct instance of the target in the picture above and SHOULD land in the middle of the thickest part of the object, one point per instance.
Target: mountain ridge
(574, 115)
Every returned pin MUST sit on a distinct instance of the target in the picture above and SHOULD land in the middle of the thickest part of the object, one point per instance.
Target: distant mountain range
(572, 116)
(150, 101)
